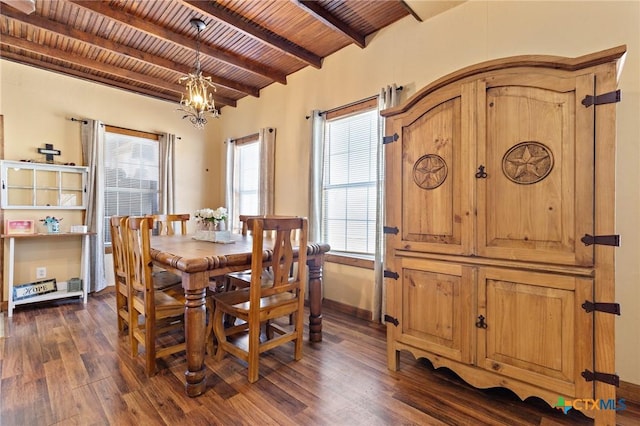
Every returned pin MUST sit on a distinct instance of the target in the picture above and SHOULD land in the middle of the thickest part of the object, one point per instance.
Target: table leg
(315, 299)
(195, 320)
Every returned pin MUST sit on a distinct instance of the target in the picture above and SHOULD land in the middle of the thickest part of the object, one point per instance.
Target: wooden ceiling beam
(410, 10)
(119, 49)
(314, 8)
(164, 34)
(257, 32)
(39, 49)
(48, 66)
(24, 6)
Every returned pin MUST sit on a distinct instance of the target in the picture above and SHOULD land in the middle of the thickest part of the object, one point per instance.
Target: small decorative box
(74, 284)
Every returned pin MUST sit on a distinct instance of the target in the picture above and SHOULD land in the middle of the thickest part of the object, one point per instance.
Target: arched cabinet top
(533, 61)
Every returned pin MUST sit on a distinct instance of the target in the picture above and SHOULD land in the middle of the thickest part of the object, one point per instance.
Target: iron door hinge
(390, 230)
(605, 98)
(391, 274)
(612, 379)
(609, 308)
(604, 240)
(392, 320)
(389, 139)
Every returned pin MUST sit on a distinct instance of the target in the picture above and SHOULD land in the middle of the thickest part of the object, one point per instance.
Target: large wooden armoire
(499, 226)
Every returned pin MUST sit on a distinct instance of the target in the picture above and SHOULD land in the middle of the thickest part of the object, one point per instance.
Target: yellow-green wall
(36, 106)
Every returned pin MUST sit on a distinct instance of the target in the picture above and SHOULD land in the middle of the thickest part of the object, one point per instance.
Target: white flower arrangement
(212, 225)
(210, 215)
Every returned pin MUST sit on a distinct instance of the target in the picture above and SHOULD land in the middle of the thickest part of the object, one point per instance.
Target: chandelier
(197, 100)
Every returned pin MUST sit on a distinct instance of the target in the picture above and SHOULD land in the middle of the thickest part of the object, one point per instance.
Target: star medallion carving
(430, 171)
(527, 162)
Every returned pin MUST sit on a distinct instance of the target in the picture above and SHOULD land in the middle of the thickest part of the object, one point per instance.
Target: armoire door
(429, 197)
(535, 330)
(434, 303)
(535, 144)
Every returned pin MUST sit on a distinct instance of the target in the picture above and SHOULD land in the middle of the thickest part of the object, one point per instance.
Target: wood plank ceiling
(145, 46)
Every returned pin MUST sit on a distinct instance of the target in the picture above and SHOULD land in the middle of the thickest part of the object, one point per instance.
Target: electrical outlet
(41, 272)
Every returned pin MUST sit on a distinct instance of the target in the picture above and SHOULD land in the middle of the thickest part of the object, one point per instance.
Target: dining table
(201, 263)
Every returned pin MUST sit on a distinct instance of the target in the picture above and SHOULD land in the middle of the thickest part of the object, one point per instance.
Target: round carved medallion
(430, 171)
(527, 162)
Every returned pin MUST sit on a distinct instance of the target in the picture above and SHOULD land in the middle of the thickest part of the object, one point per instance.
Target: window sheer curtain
(388, 98)
(267, 143)
(167, 173)
(316, 168)
(93, 155)
(228, 187)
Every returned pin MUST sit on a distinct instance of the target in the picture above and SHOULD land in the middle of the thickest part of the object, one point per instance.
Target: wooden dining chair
(117, 226)
(242, 279)
(162, 280)
(261, 303)
(166, 223)
(153, 313)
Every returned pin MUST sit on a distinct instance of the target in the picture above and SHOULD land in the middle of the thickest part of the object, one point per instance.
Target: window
(250, 175)
(349, 182)
(131, 174)
(247, 177)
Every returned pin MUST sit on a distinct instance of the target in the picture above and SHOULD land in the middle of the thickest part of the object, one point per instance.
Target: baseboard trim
(629, 392)
(348, 310)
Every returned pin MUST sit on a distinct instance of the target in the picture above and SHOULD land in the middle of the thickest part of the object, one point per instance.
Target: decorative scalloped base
(481, 378)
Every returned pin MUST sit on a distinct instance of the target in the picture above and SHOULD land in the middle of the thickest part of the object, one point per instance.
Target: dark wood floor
(66, 364)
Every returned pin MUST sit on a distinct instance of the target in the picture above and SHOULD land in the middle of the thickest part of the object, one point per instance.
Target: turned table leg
(195, 325)
(315, 298)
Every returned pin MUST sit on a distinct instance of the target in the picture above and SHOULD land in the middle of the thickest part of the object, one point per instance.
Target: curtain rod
(353, 103)
(124, 128)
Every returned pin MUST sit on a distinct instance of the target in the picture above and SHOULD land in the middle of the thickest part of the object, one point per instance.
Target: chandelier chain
(198, 51)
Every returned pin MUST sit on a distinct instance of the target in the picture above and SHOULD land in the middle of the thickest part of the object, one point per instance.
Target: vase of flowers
(217, 217)
(52, 223)
(210, 222)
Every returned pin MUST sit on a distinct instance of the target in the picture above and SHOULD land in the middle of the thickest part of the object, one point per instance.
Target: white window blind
(349, 183)
(131, 177)
(247, 178)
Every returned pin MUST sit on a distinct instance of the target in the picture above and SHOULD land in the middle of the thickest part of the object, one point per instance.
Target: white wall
(413, 54)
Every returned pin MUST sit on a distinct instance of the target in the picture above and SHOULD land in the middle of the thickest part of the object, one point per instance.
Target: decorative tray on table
(222, 237)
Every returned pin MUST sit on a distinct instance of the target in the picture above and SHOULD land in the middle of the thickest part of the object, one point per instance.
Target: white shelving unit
(43, 186)
(61, 292)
